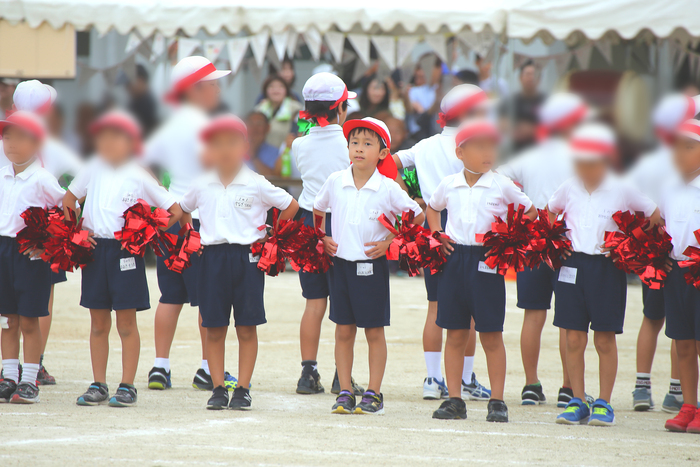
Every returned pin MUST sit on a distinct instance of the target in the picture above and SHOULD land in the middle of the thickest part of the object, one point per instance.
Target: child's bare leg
(310, 327)
(455, 345)
(606, 346)
(9, 338)
(247, 353)
(344, 353)
(495, 350)
(471, 343)
(646, 343)
(566, 380)
(675, 371)
(164, 326)
(100, 324)
(131, 343)
(576, 342)
(45, 323)
(31, 332)
(688, 365)
(432, 333)
(530, 337)
(377, 357)
(216, 350)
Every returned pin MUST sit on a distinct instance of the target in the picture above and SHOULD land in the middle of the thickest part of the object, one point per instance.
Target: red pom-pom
(430, 250)
(548, 242)
(188, 243)
(508, 241)
(310, 255)
(283, 240)
(68, 247)
(692, 276)
(142, 227)
(34, 235)
(404, 247)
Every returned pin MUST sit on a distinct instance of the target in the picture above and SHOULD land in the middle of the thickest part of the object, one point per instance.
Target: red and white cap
(386, 166)
(120, 120)
(190, 71)
(34, 96)
(460, 99)
(561, 111)
(327, 87)
(689, 129)
(225, 122)
(476, 128)
(593, 141)
(673, 110)
(27, 121)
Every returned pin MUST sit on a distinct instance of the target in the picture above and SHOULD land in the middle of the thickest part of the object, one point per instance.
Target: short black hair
(467, 77)
(257, 113)
(363, 130)
(323, 109)
(528, 62)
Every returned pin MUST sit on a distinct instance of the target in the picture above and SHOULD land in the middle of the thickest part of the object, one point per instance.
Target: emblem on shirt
(244, 202)
(493, 203)
(374, 214)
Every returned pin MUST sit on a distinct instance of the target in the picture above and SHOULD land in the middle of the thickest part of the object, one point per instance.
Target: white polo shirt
(33, 187)
(356, 212)
(680, 207)
(56, 157)
(589, 216)
(541, 170)
(471, 210)
(319, 154)
(112, 190)
(233, 213)
(434, 159)
(652, 171)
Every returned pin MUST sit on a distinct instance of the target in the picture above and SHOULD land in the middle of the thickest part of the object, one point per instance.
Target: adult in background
(142, 104)
(424, 102)
(492, 85)
(7, 89)
(524, 106)
(279, 107)
(263, 156)
(381, 96)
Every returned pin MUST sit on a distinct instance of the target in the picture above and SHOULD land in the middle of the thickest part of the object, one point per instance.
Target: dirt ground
(173, 428)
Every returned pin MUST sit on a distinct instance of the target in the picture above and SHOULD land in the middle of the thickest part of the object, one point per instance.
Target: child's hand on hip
(329, 246)
(378, 248)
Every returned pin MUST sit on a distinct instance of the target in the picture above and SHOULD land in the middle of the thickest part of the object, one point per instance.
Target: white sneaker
(434, 389)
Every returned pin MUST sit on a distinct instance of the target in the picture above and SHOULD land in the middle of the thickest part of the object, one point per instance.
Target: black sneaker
(7, 388)
(533, 395)
(372, 403)
(344, 403)
(498, 411)
(218, 399)
(451, 409)
(202, 381)
(124, 397)
(96, 394)
(565, 396)
(44, 378)
(309, 382)
(241, 399)
(158, 378)
(356, 388)
(27, 393)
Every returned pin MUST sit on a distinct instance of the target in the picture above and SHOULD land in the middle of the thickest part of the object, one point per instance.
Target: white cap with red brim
(120, 120)
(689, 129)
(562, 110)
(27, 121)
(326, 87)
(673, 110)
(190, 71)
(386, 166)
(475, 128)
(227, 123)
(34, 96)
(460, 100)
(593, 141)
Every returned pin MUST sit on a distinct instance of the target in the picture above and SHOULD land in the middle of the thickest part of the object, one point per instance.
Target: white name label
(127, 264)
(244, 202)
(129, 198)
(483, 267)
(567, 274)
(374, 214)
(252, 258)
(365, 269)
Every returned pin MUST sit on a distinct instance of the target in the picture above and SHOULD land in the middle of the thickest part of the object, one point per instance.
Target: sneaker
(202, 381)
(344, 403)
(309, 382)
(241, 399)
(372, 403)
(158, 378)
(124, 397)
(218, 399)
(589, 399)
(641, 399)
(434, 389)
(96, 394)
(533, 395)
(43, 378)
(27, 393)
(230, 381)
(7, 388)
(474, 391)
(672, 403)
(577, 412)
(602, 414)
(565, 396)
(694, 426)
(335, 387)
(498, 411)
(451, 409)
(680, 422)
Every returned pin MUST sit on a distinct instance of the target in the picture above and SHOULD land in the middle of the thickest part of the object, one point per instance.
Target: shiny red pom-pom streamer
(142, 227)
(430, 249)
(692, 275)
(508, 241)
(283, 241)
(34, 235)
(404, 247)
(548, 242)
(188, 243)
(68, 246)
(310, 254)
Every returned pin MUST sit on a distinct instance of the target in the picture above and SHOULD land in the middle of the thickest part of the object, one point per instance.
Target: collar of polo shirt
(26, 173)
(607, 184)
(373, 183)
(485, 180)
(241, 178)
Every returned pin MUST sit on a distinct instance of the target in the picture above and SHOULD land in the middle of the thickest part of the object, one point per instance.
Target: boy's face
(225, 151)
(478, 154)
(591, 172)
(365, 149)
(205, 94)
(114, 146)
(686, 155)
(19, 145)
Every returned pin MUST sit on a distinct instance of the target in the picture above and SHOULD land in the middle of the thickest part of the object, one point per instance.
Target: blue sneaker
(672, 403)
(474, 391)
(230, 381)
(434, 389)
(602, 414)
(641, 399)
(158, 378)
(575, 413)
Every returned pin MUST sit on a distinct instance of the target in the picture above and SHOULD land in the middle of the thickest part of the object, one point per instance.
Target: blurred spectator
(263, 156)
(85, 114)
(142, 103)
(397, 129)
(55, 121)
(280, 108)
(7, 89)
(493, 85)
(287, 73)
(524, 106)
(380, 96)
(424, 102)
(690, 89)
(465, 77)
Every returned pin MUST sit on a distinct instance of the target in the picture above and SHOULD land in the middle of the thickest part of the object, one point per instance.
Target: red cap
(386, 166)
(226, 122)
(28, 121)
(475, 129)
(120, 120)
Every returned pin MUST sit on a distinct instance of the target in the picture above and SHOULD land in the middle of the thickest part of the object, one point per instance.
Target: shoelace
(370, 399)
(600, 411)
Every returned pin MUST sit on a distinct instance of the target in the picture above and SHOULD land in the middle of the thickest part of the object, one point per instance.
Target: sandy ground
(173, 428)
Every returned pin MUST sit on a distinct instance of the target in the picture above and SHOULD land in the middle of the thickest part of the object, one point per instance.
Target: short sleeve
(188, 202)
(438, 201)
(557, 203)
(295, 149)
(408, 156)
(513, 170)
(638, 201)
(400, 201)
(79, 184)
(154, 193)
(153, 149)
(53, 193)
(323, 197)
(273, 196)
(514, 195)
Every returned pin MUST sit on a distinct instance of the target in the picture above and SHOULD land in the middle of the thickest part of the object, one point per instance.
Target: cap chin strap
(25, 163)
(472, 172)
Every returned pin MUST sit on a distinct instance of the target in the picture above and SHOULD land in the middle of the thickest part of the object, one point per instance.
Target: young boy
(233, 202)
(359, 280)
(468, 289)
(115, 280)
(25, 280)
(590, 290)
(319, 154)
(434, 159)
(540, 171)
(682, 300)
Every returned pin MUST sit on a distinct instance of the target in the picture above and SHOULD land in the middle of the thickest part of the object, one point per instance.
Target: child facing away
(590, 289)
(468, 290)
(359, 280)
(25, 280)
(233, 202)
(112, 182)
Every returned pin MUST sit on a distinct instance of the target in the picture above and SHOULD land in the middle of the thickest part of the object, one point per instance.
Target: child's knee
(126, 325)
(576, 340)
(374, 335)
(604, 342)
(345, 333)
(28, 325)
(491, 341)
(686, 348)
(12, 323)
(246, 333)
(216, 334)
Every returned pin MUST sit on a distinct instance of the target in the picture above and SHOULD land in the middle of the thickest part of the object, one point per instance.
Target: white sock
(468, 369)
(163, 363)
(29, 372)
(10, 369)
(205, 367)
(432, 363)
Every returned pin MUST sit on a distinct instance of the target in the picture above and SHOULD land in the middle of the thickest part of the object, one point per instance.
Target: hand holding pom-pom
(142, 227)
(69, 246)
(549, 243)
(508, 241)
(189, 242)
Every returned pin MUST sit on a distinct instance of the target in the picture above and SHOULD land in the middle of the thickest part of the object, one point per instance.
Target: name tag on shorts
(127, 264)
(365, 269)
(483, 267)
(567, 274)
(252, 258)
(244, 202)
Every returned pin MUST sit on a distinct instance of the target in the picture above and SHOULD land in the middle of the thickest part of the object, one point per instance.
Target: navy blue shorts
(682, 306)
(58, 277)
(314, 285)
(115, 279)
(229, 277)
(431, 280)
(653, 303)
(25, 285)
(535, 288)
(469, 289)
(597, 296)
(176, 288)
(360, 292)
